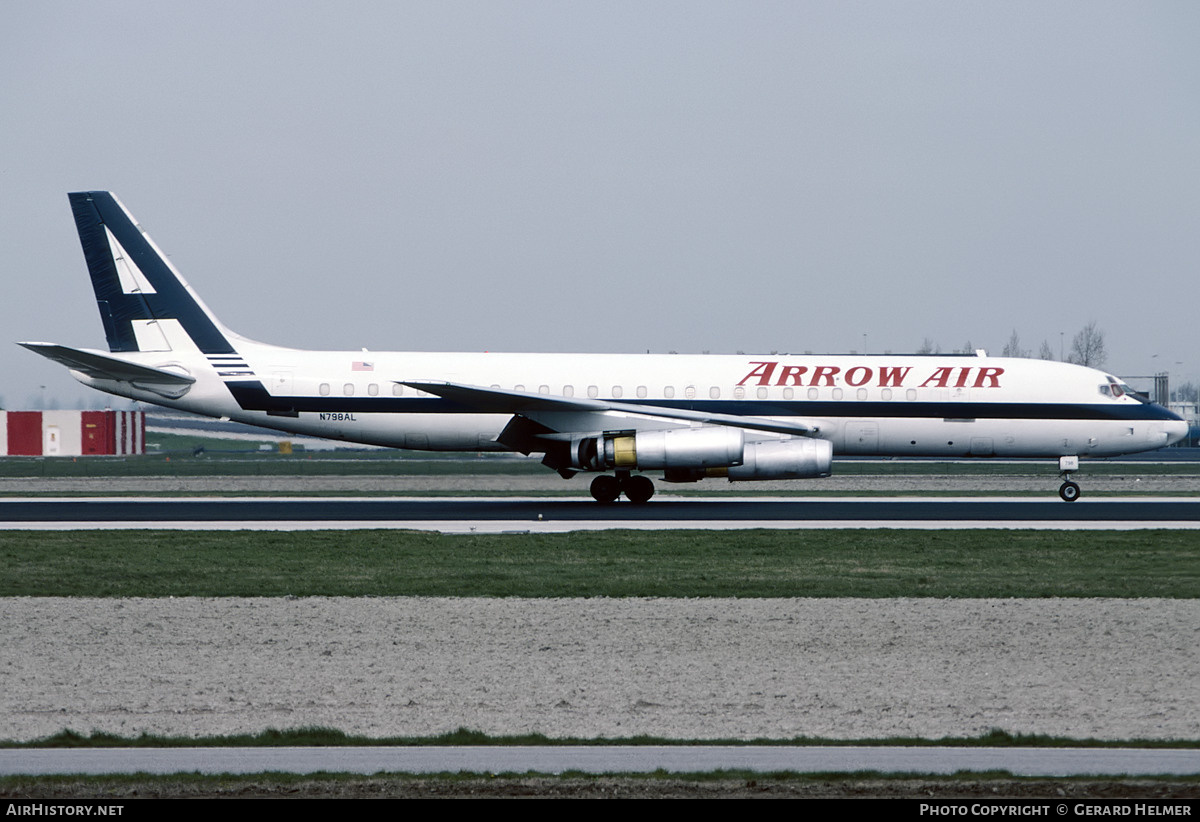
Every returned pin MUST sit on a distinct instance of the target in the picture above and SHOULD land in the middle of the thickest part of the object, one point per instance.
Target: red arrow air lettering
(769, 372)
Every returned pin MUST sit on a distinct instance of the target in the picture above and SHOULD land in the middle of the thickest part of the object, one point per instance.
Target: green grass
(300, 464)
(329, 737)
(178, 457)
(959, 788)
(753, 563)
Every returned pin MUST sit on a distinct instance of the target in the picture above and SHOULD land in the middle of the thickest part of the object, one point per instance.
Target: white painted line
(563, 526)
(1050, 500)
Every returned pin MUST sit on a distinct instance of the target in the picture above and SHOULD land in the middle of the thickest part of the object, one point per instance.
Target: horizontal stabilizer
(499, 401)
(101, 366)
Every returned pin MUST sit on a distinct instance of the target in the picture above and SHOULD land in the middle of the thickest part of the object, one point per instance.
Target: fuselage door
(279, 383)
(862, 437)
(982, 447)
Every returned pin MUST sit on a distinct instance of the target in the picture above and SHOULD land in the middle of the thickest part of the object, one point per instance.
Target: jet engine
(672, 448)
(690, 454)
(784, 459)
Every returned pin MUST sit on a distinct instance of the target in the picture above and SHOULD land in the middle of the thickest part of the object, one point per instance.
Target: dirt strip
(679, 668)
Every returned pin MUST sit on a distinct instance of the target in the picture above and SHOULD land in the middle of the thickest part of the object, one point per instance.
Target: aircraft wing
(499, 401)
(100, 366)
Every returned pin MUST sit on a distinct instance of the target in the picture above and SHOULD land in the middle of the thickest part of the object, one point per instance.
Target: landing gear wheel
(605, 488)
(638, 489)
(1069, 491)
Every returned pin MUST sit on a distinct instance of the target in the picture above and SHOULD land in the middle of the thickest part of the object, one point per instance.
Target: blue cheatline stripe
(253, 396)
(93, 211)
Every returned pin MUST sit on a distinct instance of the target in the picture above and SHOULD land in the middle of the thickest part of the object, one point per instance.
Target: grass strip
(328, 737)
(990, 787)
(221, 458)
(750, 563)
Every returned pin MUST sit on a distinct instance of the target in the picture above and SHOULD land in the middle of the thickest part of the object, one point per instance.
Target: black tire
(605, 489)
(1069, 491)
(639, 489)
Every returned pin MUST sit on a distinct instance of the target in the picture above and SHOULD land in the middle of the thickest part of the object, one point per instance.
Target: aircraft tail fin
(145, 304)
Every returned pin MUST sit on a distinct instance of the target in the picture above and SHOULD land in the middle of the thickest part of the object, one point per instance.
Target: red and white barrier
(72, 433)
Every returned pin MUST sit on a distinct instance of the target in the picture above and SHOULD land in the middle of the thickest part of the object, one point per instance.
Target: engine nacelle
(694, 448)
(690, 454)
(799, 458)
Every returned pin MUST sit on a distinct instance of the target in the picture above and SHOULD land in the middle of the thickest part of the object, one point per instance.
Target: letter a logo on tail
(144, 302)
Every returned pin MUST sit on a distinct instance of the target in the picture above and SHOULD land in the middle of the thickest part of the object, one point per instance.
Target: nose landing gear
(1069, 490)
(606, 488)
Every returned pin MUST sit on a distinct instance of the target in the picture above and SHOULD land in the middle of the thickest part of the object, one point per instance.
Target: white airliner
(741, 417)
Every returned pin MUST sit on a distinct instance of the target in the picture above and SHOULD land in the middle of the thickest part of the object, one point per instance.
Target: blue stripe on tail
(120, 304)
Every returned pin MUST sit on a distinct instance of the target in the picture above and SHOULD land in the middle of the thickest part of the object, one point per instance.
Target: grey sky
(615, 176)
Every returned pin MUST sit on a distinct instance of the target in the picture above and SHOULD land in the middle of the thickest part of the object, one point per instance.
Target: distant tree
(1088, 347)
(1045, 352)
(968, 348)
(1013, 347)
(1185, 392)
(928, 346)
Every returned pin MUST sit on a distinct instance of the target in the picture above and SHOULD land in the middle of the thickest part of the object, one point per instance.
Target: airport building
(72, 433)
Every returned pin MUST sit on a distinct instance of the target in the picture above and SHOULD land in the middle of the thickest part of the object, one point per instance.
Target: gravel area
(681, 668)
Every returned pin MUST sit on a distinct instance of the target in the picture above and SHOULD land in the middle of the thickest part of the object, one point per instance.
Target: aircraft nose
(1176, 430)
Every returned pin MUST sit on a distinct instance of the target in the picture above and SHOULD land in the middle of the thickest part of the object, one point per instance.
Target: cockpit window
(1135, 394)
(1117, 389)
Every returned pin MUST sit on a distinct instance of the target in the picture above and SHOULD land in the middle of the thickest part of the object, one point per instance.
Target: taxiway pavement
(543, 514)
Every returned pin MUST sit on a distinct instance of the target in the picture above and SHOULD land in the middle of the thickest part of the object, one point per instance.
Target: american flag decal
(363, 366)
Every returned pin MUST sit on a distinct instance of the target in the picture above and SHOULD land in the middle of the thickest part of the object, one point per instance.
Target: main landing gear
(1069, 490)
(606, 488)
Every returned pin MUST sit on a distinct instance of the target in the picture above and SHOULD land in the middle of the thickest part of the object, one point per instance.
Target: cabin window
(812, 393)
(886, 393)
(861, 393)
(714, 393)
(641, 392)
(348, 389)
(910, 394)
(739, 392)
(568, 390)
(543, 389)
(690, 392)
(762, 393)
(397, 390)
(593, 391)
(373, 389)
(789, 392)
(323, 388)
(669, 392)
(617, 391)
(519, 387)
(837, 393)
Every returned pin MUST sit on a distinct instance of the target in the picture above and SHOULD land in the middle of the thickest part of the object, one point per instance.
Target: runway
(537, 514)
